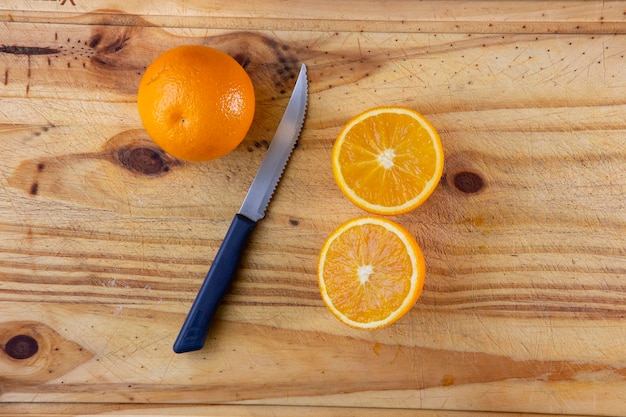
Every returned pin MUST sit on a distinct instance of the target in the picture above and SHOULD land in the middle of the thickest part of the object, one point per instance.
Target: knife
(218, 279)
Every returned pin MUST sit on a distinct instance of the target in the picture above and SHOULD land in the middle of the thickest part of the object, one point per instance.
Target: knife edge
(286, 137)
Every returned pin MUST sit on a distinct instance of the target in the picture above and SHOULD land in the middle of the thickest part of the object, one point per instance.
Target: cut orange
(370, 272)
(388, 160)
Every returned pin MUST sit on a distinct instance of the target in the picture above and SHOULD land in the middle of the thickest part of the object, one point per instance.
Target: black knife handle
(196, 326)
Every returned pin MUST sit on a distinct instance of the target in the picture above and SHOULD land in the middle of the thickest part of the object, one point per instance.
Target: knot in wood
(21, 347)
(143, 160)
(468, 182)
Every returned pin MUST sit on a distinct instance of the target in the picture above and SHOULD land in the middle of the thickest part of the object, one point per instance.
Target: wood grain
(104, 239)
(89, 410)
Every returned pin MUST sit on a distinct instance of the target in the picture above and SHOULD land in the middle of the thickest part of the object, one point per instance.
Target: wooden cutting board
(104, 239)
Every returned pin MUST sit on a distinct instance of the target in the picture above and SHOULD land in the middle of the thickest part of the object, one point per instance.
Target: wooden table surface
(104, 240)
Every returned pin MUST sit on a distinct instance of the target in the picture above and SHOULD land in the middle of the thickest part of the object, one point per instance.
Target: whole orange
(196, 102)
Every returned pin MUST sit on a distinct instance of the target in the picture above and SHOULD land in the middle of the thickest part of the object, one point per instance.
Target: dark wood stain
(27, 50)
(146, 161)
(468, 182)
(21, 347)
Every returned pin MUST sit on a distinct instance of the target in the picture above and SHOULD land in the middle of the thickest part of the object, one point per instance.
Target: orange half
(370, 272)
(388, 160)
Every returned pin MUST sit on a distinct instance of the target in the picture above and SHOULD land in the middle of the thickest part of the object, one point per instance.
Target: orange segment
(388, 160)
(370, 272)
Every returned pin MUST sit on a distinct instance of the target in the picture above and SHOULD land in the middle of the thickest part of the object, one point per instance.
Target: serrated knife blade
(273, 164)
(195, 328)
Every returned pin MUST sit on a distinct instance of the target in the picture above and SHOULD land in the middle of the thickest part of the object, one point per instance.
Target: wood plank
(405, 15)
(88, 410)
(101, 255)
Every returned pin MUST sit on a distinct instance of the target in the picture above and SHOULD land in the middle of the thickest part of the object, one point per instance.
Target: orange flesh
(367, 273)
(392, 154)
